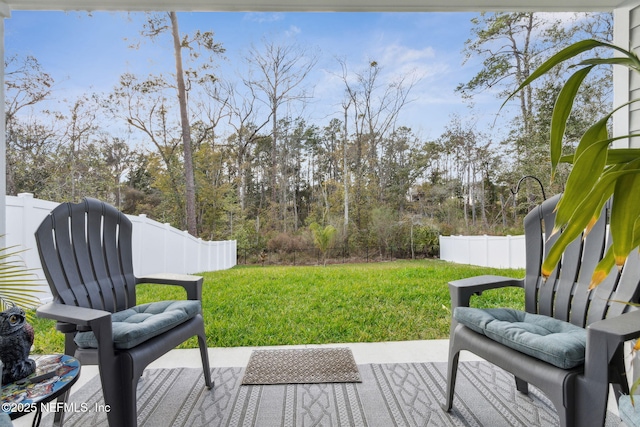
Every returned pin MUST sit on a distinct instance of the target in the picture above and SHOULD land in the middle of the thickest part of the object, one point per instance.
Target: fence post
(486, 250)
(26, 200)
(142, 228)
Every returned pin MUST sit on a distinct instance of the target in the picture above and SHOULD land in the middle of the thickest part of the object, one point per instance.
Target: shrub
(287, 243)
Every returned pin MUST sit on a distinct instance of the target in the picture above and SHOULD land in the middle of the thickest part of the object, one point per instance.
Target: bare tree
(26, 84)
(118, 157)
(142, 104)
(242, 114)
(282, 70)
(80, 125)
(375, 108)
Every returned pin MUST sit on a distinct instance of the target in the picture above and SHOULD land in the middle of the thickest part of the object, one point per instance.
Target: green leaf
(614, 155)
(563, 55)
(627, 62)
(603, 268)
(590, 160)
(623, 155)
(574, 228)
(625, 212)
(608, 261)
(561, 111)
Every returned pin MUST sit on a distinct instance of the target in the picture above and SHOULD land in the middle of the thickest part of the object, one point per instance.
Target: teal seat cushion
(630, 413)
(554, 341)
(138, 324)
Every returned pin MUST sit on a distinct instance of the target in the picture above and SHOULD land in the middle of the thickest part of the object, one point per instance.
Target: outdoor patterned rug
(301, 366)
(389, 395)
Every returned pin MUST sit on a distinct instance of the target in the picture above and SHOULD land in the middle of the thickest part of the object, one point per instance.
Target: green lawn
(274, 305)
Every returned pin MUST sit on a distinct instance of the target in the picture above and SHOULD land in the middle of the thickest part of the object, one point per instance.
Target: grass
(279, 305)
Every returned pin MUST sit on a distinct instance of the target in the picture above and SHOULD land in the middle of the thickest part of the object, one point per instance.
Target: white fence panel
(157, 247)
(23, 215)
(485, 251)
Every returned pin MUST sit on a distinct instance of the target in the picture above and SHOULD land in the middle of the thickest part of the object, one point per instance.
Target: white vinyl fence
(485, 251)
(157, 248)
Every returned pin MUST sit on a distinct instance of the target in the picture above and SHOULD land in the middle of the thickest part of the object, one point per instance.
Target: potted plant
(599, 171)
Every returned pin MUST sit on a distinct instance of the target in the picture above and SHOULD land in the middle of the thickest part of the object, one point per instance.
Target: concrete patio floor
(363, 353)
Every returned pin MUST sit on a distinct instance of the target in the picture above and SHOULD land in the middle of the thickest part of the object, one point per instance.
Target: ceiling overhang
(321, 5)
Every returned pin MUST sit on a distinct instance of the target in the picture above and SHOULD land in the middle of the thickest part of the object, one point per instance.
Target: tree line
(226, 158)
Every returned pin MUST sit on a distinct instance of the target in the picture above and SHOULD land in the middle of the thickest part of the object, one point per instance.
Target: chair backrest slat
(83, 259)
(98, 262)
(80, 249)
(537, 225)
(593, 248)
(125, 252)
(547, 288)
(52, 264)
(66, 257)
(565, 287)
(627, 286)
(110, 247)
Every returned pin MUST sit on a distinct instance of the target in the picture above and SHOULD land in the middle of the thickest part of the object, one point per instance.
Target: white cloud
(292, 31)
(402, 54)
(261, 17)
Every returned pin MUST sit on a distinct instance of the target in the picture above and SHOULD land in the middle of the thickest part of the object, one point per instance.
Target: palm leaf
(18, 284)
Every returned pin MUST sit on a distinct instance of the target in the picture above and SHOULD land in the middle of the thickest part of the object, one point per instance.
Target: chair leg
(452, 372)
(70, 346)
(522, 386)
(204, 355)
(564, 416)
(120, 398)
(589, 404)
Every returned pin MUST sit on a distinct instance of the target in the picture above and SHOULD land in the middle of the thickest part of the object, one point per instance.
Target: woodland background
(224, 160)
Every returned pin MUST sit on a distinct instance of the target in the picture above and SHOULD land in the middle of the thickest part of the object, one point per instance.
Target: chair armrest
(604, 343)
(622, 328)
(80, 316)
(608, 334)
(462, 290)
(99, 321)
(191, 284)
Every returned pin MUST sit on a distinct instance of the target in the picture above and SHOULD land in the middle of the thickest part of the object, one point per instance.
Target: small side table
(23, 396)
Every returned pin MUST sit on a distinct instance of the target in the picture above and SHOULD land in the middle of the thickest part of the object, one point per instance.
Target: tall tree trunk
(242, 175)
(190, 192)
(345, 176)
(274, 154)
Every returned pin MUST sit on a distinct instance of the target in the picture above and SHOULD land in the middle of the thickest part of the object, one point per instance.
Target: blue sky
(88, 53)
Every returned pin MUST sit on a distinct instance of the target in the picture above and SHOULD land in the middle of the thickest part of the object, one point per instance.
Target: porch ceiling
(321, 5)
